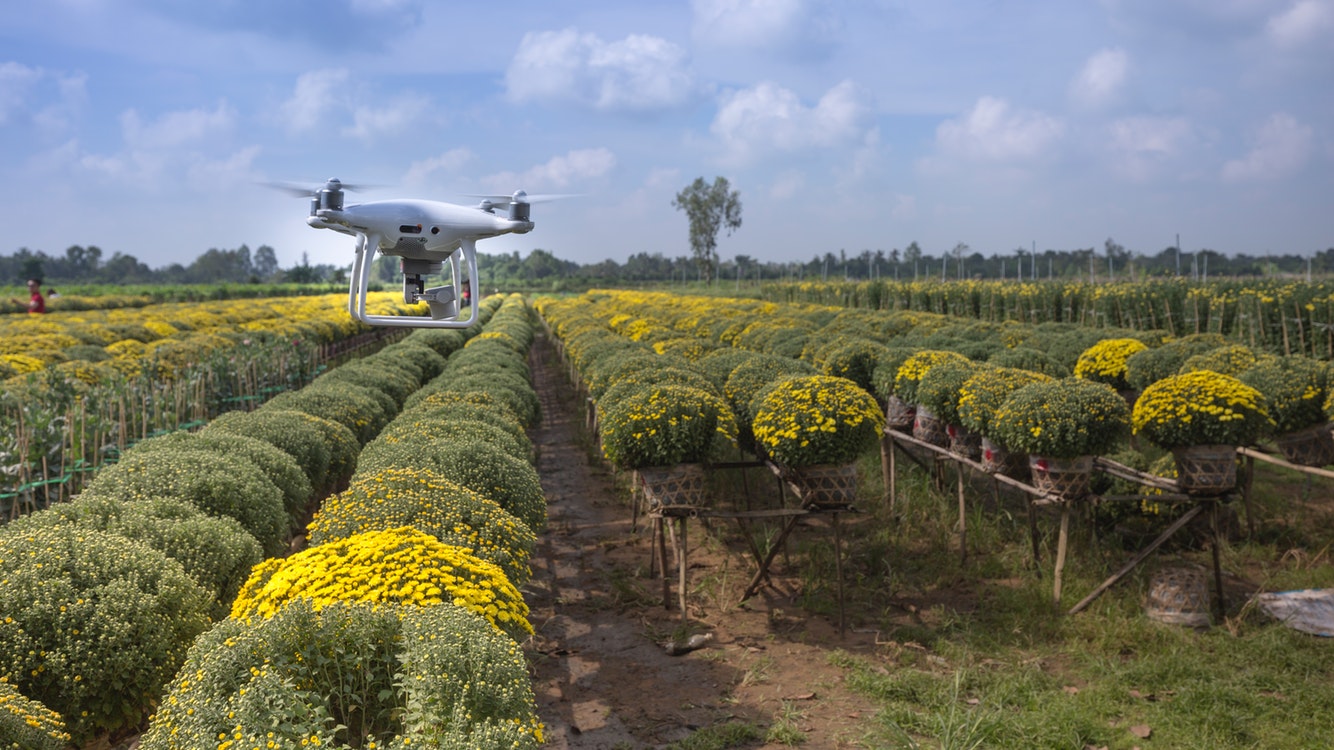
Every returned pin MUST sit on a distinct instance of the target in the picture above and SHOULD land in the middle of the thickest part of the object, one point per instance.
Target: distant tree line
(540, 269)
(86, 265)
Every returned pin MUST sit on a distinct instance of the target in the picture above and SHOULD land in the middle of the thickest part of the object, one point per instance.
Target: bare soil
(602, 676)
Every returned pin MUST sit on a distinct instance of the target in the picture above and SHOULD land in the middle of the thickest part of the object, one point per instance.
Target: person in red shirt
(37, 304)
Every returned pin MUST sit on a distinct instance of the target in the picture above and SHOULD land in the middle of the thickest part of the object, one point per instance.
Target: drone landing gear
(443, 301)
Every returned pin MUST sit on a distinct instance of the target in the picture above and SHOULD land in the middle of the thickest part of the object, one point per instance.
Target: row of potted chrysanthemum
(399, 625)
(668, 398)
(102, 596)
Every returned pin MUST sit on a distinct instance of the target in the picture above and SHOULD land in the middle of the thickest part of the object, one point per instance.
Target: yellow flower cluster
(401, 565)
(1200, 408)
(1105, 361)
(819, 419)
(430, 503)
(26, 723)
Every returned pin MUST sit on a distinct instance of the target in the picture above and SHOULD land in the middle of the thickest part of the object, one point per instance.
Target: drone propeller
(299, 190)
(520, 196)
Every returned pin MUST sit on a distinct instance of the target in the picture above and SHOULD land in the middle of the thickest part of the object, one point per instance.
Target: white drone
(424, 234)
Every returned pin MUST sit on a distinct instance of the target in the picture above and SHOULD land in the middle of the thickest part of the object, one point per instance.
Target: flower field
(80, 387)
(1060, 390)
(336, 556)
(1279, 316)
(396, 628)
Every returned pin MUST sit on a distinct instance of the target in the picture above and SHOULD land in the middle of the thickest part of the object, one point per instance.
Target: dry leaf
(1071, 690)
(800, 697)
(972, 701)
(1141, 731)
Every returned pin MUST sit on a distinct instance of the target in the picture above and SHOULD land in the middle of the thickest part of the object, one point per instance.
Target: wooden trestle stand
(662, 515)
(897, 441)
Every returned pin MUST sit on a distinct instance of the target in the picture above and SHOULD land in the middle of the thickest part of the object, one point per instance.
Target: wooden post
(886, 464)
(681, 570)
(1218, 565)
(963, 516)
(838, 570)
(893, 474)
(1061, 542)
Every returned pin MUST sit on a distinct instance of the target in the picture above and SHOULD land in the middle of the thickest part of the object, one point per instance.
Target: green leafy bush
(1295, 389)
(214, 551)
(474, 405)
(278, 466)
(752, 377)
(1232, 360)
(474, 464)
(940, 389)
(1148, 366)
(426, 501)
(406, 434)
(222, 485)
(359, 409)
(1027, 358)
(1065, 418)
(817, 419)
(855, 360)
(718, 365)
(394, 382)
(94, 624)
(325, 450)
(349, 675)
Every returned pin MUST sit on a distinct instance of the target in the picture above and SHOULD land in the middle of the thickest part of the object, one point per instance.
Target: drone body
(426, 235)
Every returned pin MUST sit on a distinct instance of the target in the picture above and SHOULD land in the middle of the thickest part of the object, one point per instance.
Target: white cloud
(1304, 21)
(801, 28)
(636, 74)
(1101, 79)
(316, 93)
(16, 80)
(768, 118)
(1281, 147)
(181, 147)
(558, 172)
(994, 131)
(367, 122)
(1139, 145)
(450, 161)
(175, 128)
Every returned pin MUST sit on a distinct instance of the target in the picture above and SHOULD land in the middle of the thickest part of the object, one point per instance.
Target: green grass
(720, 737)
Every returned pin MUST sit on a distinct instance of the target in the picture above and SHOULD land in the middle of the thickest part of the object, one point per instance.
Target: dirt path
(602, 679)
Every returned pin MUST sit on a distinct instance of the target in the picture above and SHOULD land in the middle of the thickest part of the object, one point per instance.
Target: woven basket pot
(1313, 446)
(1067, 478)
(965, 443)
(1179, 596)
(1000, 460)
(927, 428)
(679, 485)
(1206, 469)
(827, 485)
(899, 414)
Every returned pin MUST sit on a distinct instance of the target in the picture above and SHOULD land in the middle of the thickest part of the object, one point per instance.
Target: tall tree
(709, 208)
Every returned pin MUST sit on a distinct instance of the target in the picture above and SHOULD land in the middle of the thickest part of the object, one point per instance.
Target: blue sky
(143, 126)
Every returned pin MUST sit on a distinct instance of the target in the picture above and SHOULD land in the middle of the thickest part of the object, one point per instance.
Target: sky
(147, 127)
